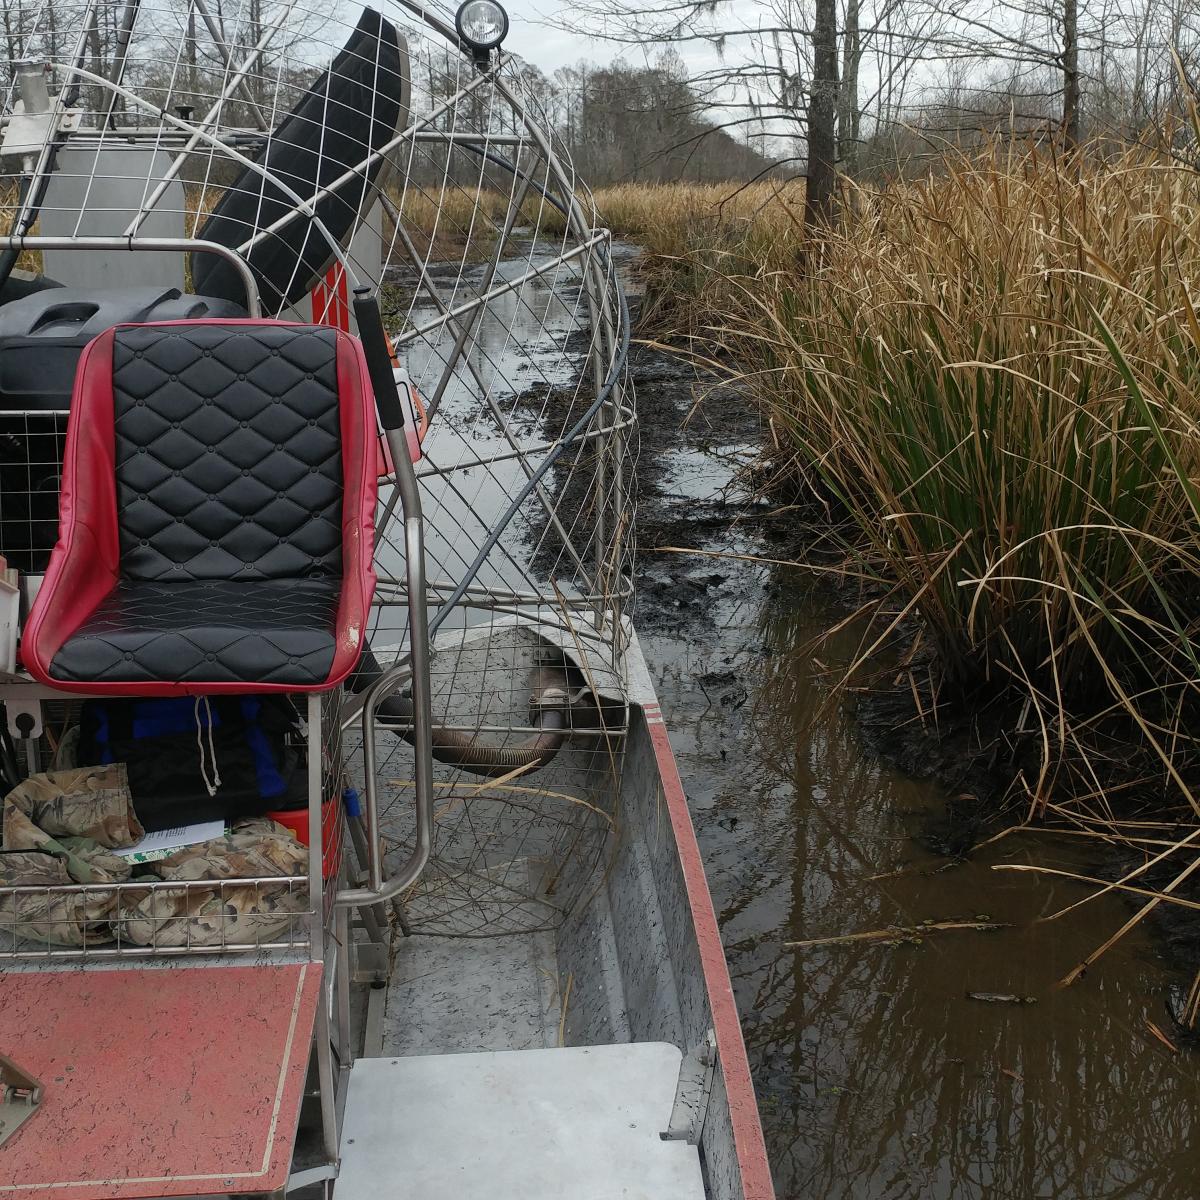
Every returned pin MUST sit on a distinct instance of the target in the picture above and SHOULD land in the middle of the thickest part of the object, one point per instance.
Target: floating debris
(895, 934)
(1001, 998)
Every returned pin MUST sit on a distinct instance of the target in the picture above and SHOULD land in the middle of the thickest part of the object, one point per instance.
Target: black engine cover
(42, 335)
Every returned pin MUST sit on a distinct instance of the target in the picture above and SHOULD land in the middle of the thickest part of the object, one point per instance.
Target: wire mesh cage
(31, 455)
(150, 918)
(75, 885)
(523, 825)
(273, 156)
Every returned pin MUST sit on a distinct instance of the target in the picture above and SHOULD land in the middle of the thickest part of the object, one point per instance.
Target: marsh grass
(992, 378)
(695, 238)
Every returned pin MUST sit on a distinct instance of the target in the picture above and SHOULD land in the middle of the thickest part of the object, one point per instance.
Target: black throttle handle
(379, 359)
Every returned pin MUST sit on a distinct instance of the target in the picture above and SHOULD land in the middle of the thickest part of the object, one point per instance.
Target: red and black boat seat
(216, 518)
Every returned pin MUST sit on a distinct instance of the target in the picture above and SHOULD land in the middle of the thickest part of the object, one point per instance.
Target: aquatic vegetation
(991, 376)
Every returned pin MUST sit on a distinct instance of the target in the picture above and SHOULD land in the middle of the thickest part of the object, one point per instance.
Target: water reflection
(877, 1076)
(525, 347)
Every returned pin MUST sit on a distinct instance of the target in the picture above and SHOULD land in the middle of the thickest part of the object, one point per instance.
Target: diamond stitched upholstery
(228, 465)
(228, 452)
(210, 631)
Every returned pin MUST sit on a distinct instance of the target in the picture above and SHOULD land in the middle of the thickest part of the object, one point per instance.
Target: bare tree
(849, 116)
(822, 116)
(1071, 115)
(777, 75)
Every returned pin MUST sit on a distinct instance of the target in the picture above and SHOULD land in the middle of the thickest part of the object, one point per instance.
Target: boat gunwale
(749, 1142)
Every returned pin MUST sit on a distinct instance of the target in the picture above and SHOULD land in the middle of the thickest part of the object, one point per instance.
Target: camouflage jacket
(60, 828)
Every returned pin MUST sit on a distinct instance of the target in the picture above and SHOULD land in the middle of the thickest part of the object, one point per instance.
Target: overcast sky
(549, 48)
(533, 37)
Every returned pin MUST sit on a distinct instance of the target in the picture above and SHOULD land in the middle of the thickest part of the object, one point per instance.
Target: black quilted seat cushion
(212, 631)
(228, 451)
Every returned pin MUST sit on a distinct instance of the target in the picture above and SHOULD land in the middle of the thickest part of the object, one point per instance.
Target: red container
(296, 820)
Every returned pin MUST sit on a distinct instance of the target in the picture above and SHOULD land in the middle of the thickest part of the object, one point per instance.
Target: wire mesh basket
(516, 850)
(154, 918)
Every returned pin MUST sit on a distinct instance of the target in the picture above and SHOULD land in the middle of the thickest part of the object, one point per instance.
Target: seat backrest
(227, 449)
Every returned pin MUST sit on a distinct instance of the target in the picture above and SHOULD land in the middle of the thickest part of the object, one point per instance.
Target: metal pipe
(144, 133)
(448, 31)
(40, 242)
(595, 291)
(121, 56)
(316, 831)
(464, 332)
(467, 137)
(71, 96)
(432, 470)
(508, 286)
(418, 668)
(498, 526)
(485, 597)
(218, 36)
(596, 303)
(530, 730)
(467, 328)
(459, 746)
(30, 81)
(360, 168)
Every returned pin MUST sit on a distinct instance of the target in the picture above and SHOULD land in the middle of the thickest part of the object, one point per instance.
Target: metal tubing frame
(218, 36)
(121, 58)
(209, 119)
(429, 469)
(141, 133)
(27, 214)
(39, 242)
(416, 669)
(601, 320)
(464, 331)
(316, 849)
(360, 168)
(505, 287)
(481, 596)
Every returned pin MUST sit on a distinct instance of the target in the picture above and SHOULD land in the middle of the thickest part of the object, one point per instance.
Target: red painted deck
(174, 1082)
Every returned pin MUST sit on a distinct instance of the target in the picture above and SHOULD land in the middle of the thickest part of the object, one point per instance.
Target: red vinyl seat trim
(85, 564)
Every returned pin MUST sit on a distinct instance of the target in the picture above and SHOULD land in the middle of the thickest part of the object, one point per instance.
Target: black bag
(166, 748)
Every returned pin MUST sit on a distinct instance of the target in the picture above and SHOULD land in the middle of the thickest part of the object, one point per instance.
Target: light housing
(482, 25)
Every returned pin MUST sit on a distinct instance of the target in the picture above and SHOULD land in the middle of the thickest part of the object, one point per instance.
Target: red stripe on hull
(743, 1106)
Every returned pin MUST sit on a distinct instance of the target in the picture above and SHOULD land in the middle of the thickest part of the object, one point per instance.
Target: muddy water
(878, 1076)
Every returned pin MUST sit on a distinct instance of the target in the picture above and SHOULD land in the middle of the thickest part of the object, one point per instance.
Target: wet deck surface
(450, 995)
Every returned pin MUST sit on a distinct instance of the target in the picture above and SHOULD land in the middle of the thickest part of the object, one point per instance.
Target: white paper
(164, 841)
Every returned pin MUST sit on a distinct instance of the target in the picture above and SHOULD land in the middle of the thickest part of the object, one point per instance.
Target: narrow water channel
(879, 1076)
(932, 1065)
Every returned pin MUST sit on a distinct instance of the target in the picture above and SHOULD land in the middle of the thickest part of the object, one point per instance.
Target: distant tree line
(863, 86)
(817, 87)
(642, 124)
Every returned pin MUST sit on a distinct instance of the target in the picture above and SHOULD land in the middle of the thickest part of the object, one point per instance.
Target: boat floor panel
(581, 1123)
(450, 995)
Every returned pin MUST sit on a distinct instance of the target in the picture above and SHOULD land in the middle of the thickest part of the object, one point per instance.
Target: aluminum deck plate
(178, 1082)
(580, 1123)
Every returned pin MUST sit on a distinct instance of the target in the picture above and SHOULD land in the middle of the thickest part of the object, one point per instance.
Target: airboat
(344, 849)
